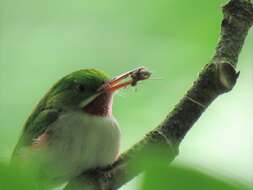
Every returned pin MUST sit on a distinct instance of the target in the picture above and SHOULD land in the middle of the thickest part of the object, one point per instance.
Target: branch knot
(227, 76)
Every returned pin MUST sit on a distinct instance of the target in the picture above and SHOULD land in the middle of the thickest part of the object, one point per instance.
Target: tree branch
(217, 77)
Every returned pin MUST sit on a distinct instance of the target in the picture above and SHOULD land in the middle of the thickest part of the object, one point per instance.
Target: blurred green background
(41, 41)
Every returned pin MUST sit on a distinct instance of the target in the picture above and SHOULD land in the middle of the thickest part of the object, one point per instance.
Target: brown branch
(217, 77)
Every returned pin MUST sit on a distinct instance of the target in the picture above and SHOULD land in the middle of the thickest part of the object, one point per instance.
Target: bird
(72, 129)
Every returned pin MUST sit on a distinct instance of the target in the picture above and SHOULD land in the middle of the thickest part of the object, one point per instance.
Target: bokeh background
(41, 41)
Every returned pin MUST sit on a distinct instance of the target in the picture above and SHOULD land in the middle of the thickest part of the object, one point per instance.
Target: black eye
(81, 88)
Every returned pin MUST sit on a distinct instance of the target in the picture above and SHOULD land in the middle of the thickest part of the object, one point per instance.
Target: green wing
(35, 126)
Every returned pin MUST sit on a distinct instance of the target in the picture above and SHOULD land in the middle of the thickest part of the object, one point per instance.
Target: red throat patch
(101, 106)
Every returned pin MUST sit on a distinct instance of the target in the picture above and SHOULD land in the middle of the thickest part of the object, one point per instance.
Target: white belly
(80, 142)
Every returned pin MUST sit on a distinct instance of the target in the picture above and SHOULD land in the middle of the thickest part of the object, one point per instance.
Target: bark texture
(217, 77)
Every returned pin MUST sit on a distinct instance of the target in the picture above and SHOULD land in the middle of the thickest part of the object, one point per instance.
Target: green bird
(72, 129)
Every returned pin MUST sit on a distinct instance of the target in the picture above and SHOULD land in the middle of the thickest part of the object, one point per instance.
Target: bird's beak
(121, 80)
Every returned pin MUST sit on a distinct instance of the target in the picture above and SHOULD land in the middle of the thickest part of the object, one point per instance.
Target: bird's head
(88, 90)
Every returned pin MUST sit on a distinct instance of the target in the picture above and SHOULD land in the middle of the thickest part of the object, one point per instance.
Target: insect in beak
(121, 81)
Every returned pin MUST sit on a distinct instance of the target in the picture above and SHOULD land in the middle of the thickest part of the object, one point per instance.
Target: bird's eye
(80, 88)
